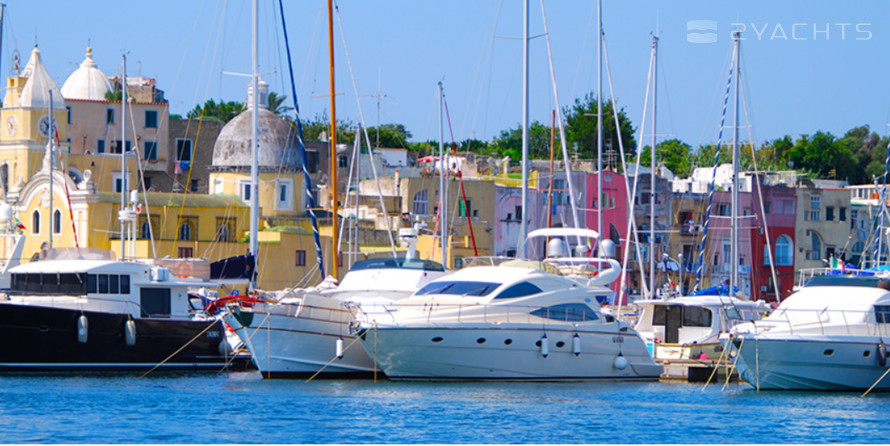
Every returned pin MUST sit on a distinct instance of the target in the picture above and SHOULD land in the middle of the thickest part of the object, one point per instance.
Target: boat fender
(130, 332)
(620, 362)
(83, 328)
(576, 344)
(340, 348)
(224, 348)
(545, 349)
(882, 354)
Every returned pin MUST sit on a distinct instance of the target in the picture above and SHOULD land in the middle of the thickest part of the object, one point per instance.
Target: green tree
(224, 111)
(390, 135)
(675, 154)
(509, 142)
(278, 104)
(581, 128)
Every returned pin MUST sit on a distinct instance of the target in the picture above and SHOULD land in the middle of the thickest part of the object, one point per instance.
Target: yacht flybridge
(84, 310)
(510, 319)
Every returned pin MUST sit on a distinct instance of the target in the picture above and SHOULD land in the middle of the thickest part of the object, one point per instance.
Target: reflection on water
(243, 408)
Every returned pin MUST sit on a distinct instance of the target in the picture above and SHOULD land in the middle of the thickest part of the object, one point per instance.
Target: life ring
(183, 269)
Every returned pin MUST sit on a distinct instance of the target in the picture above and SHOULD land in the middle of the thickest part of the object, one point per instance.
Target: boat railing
(299, 309)
(77, 300)
(432, 313)
(826, 322)
(804, 275)
(575, 267)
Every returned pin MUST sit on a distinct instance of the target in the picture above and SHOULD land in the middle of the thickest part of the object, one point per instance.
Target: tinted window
(388, 262)
(155, 302)
(125, 284)
(103, 283)
(882, 314)
(459, 288)
(659, 315)
(71, 284)
(519, 290)
(696, 317)
(50, 283)
(91, 284)
(113, 283)
(567, 312)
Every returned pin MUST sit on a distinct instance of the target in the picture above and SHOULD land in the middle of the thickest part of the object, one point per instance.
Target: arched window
(816, 251)
(858, 247)
(185, 231)
(35, 222)
(784, 251)
(421, 204)
(57, 222)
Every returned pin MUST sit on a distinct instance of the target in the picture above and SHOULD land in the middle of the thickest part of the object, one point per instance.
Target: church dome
(277, 141)
(87, 82)
(35, 93)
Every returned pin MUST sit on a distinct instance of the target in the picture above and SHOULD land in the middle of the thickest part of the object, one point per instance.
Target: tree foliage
(675, 155)
(581, 128)
(224, 111)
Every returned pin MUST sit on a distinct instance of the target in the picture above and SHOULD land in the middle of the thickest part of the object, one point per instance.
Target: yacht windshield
(389, 262)
(458, 288)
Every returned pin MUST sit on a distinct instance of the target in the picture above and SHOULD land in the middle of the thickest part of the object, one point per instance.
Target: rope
(307, 181)
(713, 372)
(460, 176)
(729, 374)
(875, 384)
(249, 338)
(209, 326)
(331, 361)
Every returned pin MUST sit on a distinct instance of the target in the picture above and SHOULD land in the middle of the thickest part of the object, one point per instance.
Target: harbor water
(243, 408)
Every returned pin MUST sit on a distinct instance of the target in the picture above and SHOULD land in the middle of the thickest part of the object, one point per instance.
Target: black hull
(45, 339)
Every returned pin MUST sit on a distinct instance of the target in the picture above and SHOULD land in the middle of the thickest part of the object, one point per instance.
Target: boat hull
(486, 353)
(46, 339)
(811, 364)
(300, 346)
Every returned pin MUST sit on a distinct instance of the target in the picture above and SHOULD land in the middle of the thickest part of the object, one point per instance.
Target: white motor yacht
(830, 335)
(299, 332)
(520, 319)
(689, 327)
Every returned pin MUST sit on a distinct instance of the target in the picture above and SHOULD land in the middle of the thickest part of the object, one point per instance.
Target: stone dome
(35, 93)
(277, 142)
(87, 82)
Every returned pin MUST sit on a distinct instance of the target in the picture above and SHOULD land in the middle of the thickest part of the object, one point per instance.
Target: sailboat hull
(46, 339)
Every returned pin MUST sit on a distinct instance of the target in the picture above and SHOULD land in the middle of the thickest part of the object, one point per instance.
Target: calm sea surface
(243, 408)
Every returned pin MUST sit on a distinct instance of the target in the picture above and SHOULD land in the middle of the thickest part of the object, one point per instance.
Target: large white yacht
(519, 319)
(689, 327)
(299, 332)
(829, 335)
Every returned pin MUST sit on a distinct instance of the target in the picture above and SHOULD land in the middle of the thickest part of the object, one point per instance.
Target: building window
(784, 251)
(57, 222)
(815, 202)
(464, 208)
(421, 204)
(109, 116)
(188, 228)
(518, 212)
(119, 183)
(284, 200)
(100, 146)
(194, 185)
(816, 245)
(68, 110)
(150, 150)
(245, 191)
(723, 209)
(185, 252)
(35, 222)
(183, 149)
(225, 227)
(829, 213)
(116, 146)
(145, 231)
(842, 216)
(301, 257)
(147, 181)
(342, 161)
(151, 119)
(185, 232)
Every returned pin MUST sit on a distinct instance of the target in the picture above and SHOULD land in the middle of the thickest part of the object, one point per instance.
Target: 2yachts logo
(705, 31)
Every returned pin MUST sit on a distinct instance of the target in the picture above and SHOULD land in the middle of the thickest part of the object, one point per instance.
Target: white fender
(576, 344)
(130, 332)
(620, 362)
(340, 348)
(545, 348)
(83, 329)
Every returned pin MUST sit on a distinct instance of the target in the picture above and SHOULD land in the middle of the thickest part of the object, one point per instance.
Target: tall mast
(652, 168)
(443, 200)
(734, 232)
(599, 118)
(254, 143)
(123, 149)
(333, 139)
(523, 226)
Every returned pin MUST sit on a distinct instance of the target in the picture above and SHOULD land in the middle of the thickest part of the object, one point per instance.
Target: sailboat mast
(443, 200)
(333, 140)
(652, 167)
(599, 118)
(734, 232)
(523, 226)
(254, 164)
(123, 149)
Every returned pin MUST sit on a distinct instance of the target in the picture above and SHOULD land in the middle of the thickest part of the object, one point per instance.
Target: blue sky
(808, 65)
